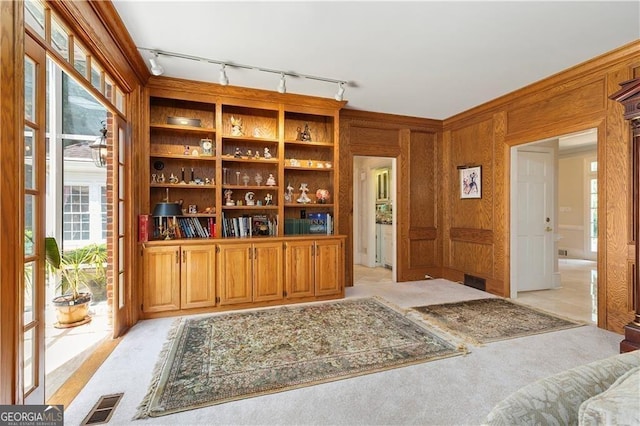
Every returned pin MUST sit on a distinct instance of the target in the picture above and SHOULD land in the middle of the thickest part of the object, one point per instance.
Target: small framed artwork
(207, 146)
(471, 182)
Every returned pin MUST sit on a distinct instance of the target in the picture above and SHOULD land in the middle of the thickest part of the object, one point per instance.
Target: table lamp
(167, 210)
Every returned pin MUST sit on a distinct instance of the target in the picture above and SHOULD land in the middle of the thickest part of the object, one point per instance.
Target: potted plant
(76, 269)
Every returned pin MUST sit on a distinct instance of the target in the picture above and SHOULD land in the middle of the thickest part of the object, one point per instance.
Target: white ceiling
(425, 59)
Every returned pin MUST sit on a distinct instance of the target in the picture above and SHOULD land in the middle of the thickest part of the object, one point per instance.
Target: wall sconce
(99, 148)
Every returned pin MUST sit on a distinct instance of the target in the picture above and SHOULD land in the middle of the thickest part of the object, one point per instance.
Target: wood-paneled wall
(476, 232)
(415, 145)
(441, 235)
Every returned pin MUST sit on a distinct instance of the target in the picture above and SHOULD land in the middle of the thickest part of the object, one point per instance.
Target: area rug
(489, 320)
(220, 358)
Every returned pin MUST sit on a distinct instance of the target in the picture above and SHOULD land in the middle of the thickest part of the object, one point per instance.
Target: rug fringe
(142, 411)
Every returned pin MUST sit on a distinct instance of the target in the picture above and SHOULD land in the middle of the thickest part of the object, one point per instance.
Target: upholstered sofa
(604, 392)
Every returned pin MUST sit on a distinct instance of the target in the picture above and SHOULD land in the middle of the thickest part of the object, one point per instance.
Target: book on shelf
(249, 226)
(144, 228)
(314, 223)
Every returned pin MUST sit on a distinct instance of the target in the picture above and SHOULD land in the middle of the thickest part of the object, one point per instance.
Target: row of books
(191, 227)
(314, 223)
(250, 226)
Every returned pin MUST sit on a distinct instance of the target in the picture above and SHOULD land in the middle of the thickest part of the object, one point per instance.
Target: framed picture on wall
(471, 182)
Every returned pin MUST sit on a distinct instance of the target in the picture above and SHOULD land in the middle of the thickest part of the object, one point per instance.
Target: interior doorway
(554, 226)
(374, 214)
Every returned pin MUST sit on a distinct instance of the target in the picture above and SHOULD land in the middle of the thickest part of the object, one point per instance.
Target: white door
(535, 221)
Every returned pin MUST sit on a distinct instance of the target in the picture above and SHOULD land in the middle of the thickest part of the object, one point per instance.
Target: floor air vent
(475, 282)
(102, 411)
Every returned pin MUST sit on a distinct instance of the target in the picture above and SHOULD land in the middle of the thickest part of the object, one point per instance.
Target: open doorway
(554, 224)
(76, 216)
(374, 219)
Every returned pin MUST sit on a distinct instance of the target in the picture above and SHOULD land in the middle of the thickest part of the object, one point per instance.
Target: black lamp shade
(167, 209)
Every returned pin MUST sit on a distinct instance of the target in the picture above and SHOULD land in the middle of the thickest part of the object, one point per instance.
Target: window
(76, 218)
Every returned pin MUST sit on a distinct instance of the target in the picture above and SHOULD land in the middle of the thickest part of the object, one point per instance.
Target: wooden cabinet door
(234, 273)
(198, 274)
(299, 278)
(328, 267)
(161, 283)
(267, 271)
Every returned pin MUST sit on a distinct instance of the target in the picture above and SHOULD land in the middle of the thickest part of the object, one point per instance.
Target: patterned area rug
(221, 358)
(489, 320)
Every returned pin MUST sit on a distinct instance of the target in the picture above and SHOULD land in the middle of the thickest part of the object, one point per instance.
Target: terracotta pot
(70, 311)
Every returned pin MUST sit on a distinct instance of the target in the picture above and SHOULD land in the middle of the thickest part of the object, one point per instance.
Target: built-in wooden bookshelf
(245, 170)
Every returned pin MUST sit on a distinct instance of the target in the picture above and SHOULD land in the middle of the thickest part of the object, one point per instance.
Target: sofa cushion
(618, 405)
(556, 400)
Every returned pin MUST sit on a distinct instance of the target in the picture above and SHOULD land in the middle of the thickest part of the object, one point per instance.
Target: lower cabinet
(250, 272)
(184, 276)
(314, 268)
(178, 277)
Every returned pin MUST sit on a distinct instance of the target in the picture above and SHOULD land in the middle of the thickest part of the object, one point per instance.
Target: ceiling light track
(157, 69)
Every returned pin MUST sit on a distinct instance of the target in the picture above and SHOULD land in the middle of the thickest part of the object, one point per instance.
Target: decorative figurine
(258, 178)
(193, 209)
(161, 178)
(303, 198)
(322, 195)
(249, 153)
(186, 150)
(154, 178)
(271, 181)
(309, 163)
(248, 197)
(173, 178)
(237, 153)
(227, 197)
(268, 199)
(304, 135)
(288, 196)
(236, 126)
(207, 181)
(267, 154)
(195, 152)
(257, 154)
(294, 163)
(245, 179)
(327, 165)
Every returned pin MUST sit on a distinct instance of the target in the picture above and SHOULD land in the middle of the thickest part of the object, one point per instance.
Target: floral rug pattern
(220, 358)
(492, 319)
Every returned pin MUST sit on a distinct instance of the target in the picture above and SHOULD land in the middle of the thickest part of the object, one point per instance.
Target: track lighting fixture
(156, 68)
(340, 93)
(223, 80)
(282, 86)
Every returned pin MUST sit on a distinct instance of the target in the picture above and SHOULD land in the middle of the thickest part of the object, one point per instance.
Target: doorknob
(548, 229)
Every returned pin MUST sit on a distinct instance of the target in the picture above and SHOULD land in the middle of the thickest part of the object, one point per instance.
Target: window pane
(96, 76)
(34, 16)
(59, 38)
(103, 209)
(29, 150)
(29, 88)
(120, 101)
(29, 224)
(108, 88)
(76, 217)
(81, 113)
(29, 280)
(79, 59)
(594, 166)
(29, 359)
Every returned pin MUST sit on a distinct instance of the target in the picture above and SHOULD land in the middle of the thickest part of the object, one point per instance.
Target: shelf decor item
(166, 214)
(236, 126)
(303, 198)
(207, 146)
(183, 121)
(322, 195)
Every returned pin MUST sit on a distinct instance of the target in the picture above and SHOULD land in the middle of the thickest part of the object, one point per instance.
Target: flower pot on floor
(71, 312)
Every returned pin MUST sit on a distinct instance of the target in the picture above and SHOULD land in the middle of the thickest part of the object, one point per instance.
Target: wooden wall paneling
(614, 167)
(11, 238)
(501, 208)
(446, 195)
(557, 104)
(345, 199)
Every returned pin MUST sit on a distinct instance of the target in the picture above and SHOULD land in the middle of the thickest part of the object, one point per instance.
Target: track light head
(340, 93)
(223, 80)
(156, 68)
(282, 86)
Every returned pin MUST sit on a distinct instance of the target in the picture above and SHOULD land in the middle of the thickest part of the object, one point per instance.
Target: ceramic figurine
(288, 196)
(258, 179)
(236, 126)
(245, 179)
(267, 154)
(268, 200)
(304, 135)
(227, 197)
(303, 198)
(271, 181)
(248, 198)
(237, 153)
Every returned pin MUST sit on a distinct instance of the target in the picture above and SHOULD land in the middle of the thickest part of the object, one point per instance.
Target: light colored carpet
(453, 391)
